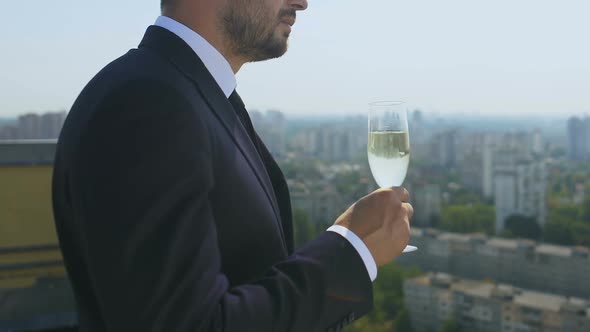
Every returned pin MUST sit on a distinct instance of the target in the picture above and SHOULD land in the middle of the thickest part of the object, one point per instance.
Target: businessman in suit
(171, 213)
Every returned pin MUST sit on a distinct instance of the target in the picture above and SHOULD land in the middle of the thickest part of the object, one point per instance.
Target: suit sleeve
(140, 180)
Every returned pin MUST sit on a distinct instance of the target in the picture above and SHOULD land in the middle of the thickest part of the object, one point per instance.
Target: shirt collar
(217, 65)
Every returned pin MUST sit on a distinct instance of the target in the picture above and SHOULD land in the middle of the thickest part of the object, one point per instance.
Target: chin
(274, 47)
(271, 53)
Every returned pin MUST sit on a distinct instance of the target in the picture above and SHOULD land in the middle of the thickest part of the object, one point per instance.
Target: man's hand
(382, 220)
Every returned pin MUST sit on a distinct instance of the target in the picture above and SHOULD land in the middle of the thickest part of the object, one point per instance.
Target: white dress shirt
(221, 71)
(217, 65)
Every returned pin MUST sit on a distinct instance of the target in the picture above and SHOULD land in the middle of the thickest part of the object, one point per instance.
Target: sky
(501, 57)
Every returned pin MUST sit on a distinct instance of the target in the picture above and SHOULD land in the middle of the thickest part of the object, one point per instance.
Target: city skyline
(33, 126)
(503, 58)
(453, 190)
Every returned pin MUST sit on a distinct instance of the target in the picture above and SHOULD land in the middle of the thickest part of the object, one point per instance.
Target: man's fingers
(408, 208)
(402, 193)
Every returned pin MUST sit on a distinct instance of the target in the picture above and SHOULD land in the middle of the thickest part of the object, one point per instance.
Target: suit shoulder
(140, 72)
(139, 84)
(137, 65)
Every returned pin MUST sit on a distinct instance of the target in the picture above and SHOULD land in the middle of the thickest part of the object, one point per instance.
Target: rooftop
(28, 141)
(474, 288)
(455, 237)
(541, 301)
(505, 293)
(502, 243)
(27, 152)
(554, 250)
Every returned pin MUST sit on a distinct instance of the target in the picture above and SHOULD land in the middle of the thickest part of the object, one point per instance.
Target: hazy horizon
(327, 115)
(428, 116)
(503, 58)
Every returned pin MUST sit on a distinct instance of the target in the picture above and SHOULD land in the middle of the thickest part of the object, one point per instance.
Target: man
(171, 213)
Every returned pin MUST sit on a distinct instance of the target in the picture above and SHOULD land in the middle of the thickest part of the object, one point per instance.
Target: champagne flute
(388, 148)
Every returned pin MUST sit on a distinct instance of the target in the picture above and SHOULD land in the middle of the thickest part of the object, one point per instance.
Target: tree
(468, 218)
(388, 303)
(566, 226)
(303, 229)
(402, 322)
(585, 210)
(568, 223)
(558, 232)
(581, 233)
(364, 325)
(450, 325)
(506, 233)
(464, 196)
(522, 226)
(569, 211)
(557, 153)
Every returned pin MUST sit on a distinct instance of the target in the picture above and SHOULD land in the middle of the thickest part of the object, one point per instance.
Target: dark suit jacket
(169, 220)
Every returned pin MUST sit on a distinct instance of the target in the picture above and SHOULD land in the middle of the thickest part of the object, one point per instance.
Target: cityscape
(502, 218)
(33, 126)
(498, 112)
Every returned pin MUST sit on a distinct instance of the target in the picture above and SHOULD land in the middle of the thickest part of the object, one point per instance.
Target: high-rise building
(321, 202)
(531, 187)
(537, 144)
(488, 167)
(8, 132)
(505, 197)
(443, 148)
(519, 141)
(343, 144)
(304, 143)
(271, 128)
(257, 119)
(427, 202)
(471, 170)
(417, 117)
(520, 186)
(29, 126)
(483, 306)
(417, 126)
(332, 143)
(579, 138)
(51, 123)
(275, 139)
(34, 126)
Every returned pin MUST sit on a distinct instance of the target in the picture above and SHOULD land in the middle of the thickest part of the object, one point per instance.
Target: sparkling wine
(389, 157)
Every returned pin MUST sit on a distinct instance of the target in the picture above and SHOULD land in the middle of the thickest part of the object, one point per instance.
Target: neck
(204, 18)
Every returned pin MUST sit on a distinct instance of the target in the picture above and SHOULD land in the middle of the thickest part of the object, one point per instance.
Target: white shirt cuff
(360, 247)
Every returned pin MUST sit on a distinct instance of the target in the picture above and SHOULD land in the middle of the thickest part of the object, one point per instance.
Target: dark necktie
(275, 174)
(240, 110)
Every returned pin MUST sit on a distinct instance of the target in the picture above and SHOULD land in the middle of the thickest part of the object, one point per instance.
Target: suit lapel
(281, 190)
(180, 54)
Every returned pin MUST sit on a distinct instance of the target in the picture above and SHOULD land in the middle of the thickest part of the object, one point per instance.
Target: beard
(251, 31)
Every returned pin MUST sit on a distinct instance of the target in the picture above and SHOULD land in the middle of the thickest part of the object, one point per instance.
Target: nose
(297, 4)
